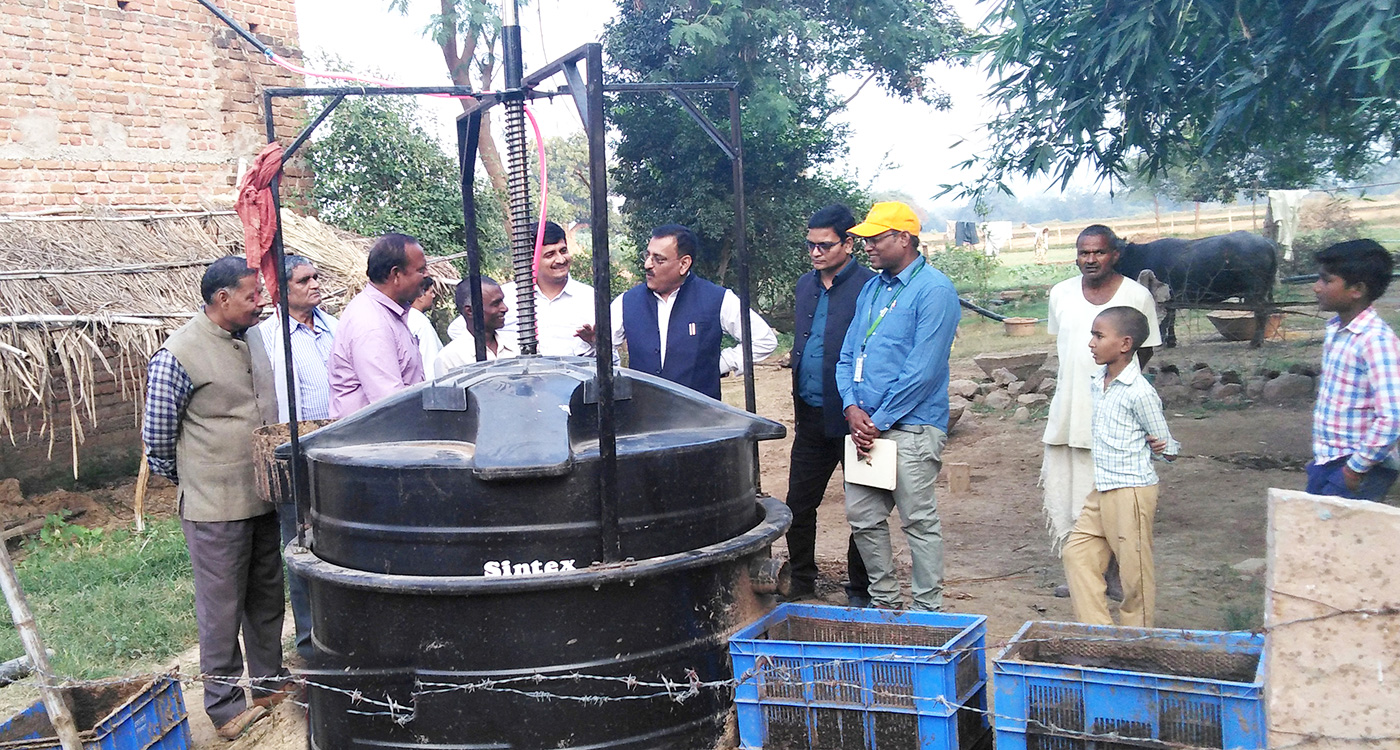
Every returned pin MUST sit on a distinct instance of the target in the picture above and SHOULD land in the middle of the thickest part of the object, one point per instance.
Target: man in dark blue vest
(673, 323)
(826, 302)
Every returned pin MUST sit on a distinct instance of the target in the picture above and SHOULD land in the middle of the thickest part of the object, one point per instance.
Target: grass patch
(107, 600)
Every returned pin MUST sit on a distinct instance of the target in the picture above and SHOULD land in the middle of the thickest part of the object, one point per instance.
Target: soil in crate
(90, 705)
(817, 630)
(1147, 656)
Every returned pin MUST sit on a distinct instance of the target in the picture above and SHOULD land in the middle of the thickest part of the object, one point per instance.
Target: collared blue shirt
(809, 374)
(311, 351)
(904, 378)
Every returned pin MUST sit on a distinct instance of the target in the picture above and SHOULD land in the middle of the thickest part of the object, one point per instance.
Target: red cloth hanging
(258, 213)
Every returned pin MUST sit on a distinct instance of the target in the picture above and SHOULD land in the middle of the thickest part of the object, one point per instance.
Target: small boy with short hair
(1128, 428)
(1356, 421)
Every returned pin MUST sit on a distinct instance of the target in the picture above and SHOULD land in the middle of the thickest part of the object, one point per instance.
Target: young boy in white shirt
(1128, 429)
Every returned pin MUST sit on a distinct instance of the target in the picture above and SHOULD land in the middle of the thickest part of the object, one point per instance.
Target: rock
(1288, 387)
(1176, 395)
(1022, 414)
(1222, 391)
(954, 414)
(998, 399)
(980, 398)
(10, 494)
(1254, 387)
(1231, 376)
(1251, 567)
(964, 388)
(1168, 378)
(1032, 399)
(1017, 388)
(1021, 365)
(1047, 386)
(1301, 369)
(957, 402)
(987, 387)
(1034, 380)
(1003, 377)
(1203, 379)
(1171, 368)
(1200, 366)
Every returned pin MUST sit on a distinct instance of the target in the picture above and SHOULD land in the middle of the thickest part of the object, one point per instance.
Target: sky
(893, 145)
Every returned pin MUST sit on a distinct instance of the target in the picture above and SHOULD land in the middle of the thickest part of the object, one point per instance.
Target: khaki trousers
(1116, 522)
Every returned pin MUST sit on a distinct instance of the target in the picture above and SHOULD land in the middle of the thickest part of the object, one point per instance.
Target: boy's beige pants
(1116, 522)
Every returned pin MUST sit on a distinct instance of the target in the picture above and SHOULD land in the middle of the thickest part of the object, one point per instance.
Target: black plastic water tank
(456, 595)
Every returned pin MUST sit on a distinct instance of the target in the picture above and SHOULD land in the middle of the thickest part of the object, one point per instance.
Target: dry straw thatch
(92, 292)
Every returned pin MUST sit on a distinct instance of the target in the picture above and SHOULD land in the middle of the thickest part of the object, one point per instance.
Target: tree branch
(849, 99)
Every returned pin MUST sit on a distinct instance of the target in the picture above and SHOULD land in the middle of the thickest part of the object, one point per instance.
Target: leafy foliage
(1276, 92)
(378, 170)
(782, 53)
(969, 270)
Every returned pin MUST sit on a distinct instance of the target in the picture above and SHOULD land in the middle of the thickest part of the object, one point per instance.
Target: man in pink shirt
(375, 354)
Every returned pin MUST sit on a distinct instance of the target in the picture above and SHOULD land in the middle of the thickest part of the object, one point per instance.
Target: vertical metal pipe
(522, 228)
(602, 308)
(741, 253)
(293, 413)
(468, 136)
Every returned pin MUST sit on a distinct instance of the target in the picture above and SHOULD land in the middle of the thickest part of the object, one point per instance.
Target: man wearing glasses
(826, 302)
(893, 379)
(673, 323)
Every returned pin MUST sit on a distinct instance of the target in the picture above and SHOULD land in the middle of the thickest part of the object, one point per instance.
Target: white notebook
(878, 470)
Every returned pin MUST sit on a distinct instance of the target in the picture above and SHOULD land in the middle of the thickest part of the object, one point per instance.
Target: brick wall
(137, 102)
(111, 446)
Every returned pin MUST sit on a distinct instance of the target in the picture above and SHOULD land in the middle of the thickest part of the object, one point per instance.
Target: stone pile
(1024, 382)
(1203, 384)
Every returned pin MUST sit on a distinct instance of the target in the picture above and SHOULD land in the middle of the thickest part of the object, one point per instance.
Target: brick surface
(111, 82)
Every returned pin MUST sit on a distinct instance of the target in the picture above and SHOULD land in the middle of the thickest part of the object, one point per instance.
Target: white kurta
(1067, 468)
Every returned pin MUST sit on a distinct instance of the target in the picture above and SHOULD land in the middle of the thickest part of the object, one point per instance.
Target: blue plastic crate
(1062, 686)
(140, 714)
(817, 677)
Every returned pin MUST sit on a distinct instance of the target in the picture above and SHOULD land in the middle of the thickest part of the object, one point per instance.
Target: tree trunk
(1157, 212)
(1197, 228)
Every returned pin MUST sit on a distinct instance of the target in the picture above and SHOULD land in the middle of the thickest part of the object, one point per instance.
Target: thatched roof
(72, 286)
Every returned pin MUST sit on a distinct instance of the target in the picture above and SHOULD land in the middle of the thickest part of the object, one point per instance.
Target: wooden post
(959, 478)
(142, 478)
(59, 713)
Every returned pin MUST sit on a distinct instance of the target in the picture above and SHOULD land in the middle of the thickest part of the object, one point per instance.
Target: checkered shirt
(1358, 397)
(168, 389)
(1124, 415)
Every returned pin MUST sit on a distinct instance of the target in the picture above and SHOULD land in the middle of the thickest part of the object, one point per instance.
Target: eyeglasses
(868, 241)
(822, 246)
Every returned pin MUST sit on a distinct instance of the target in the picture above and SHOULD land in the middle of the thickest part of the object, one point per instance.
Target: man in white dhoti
(1067, 470)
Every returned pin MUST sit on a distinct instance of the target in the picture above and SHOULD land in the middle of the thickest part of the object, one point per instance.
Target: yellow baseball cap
(886, 216)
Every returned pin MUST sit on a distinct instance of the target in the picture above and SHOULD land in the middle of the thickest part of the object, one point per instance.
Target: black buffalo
(1211, 269)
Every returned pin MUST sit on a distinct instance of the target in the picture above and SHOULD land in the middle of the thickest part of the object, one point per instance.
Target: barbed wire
(403, 711)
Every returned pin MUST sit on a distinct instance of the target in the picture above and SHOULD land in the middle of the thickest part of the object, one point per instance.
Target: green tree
(1305, 86)
(783, 54)
(378, 170)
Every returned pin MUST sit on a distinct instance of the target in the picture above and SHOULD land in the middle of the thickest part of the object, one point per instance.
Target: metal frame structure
(588, 95)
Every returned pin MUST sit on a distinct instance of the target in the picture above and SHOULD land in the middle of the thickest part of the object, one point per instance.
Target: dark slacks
(1327, 479)
(237, 588)
(814, 457)
(296, 585)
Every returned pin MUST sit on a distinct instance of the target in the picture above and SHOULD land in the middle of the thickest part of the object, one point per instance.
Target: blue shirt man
(893, 380)
(825, 303)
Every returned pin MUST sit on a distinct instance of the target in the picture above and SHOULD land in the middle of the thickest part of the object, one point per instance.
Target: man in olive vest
(203, 397)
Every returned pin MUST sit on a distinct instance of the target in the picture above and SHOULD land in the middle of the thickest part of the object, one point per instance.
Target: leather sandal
(289, 690)
(235, 727)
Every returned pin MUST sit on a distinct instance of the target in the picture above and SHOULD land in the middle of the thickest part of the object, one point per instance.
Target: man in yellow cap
(893, 380)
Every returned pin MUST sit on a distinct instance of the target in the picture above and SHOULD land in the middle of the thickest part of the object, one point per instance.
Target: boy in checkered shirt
(1128, 428)
(1356, 420)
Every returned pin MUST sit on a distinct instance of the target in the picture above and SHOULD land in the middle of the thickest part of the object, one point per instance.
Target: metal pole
(293, 414)
(741, 253)
(522, 229)
(602, 308)
(468, 136)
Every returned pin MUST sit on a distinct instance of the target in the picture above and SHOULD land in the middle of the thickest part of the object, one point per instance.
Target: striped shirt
(1125, 414)
(1358, 397)
(168, 389)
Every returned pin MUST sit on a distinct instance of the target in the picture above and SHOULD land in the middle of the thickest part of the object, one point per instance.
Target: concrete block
(1331, 603)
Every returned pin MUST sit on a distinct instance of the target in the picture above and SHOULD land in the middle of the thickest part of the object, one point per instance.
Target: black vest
(840, 309)
(692, 338)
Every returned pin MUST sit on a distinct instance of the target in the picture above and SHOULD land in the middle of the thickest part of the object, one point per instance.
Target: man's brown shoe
(235, 727)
